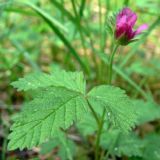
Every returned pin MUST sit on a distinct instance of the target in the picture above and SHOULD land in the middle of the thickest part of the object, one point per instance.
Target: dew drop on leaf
(19, 123)
(109, 114)
(35, 110)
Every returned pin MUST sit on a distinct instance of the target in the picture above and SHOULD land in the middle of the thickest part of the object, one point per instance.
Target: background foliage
(46, 35)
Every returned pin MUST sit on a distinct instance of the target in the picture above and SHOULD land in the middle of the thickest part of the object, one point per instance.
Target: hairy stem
(94, 113)
(111, 64)
(100, 128)
(101, 121)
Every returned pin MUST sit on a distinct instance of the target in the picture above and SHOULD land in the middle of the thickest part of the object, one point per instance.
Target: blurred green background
(41, 35)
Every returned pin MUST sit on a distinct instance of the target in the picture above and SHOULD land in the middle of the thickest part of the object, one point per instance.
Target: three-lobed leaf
(60, 100)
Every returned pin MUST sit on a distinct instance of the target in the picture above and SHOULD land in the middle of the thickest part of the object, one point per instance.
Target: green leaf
(49, 146)
(130, 145)
(67, 150)
(152, 149)
(121, 144)
(140, 68)
(147, 111)
(41, 118)
(88, 125)
(66, 147)
(119, 107)
(60, 78)
(60, 100)
(54, 107)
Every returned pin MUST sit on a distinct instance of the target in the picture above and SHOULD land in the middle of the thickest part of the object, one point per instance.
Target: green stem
(4, 146)
(100, 128)
(94, 113)
(111, 64)
(101, 121)
(126, 2)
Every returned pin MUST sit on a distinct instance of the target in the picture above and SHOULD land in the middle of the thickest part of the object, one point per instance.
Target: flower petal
(120, 31)
(132, 19)
(141, 29)
(126, 11)
(129, 14)
(121, 21)
(130, 33)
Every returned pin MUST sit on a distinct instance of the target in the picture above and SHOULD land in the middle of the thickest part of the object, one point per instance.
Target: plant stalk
(100, 128)
(111, 64)
(101, 122)
(94, 113)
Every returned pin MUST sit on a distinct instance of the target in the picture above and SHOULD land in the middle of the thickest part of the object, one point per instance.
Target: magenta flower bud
(125, 22)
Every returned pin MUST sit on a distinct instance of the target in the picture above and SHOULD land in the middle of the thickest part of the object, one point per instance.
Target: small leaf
(66, 147)
(152, 147)
(147, 111)
(128, 145)
(88, 125)
(119, 107)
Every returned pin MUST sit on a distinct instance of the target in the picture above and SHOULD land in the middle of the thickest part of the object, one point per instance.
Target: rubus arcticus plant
(60, 100)
(125, 22)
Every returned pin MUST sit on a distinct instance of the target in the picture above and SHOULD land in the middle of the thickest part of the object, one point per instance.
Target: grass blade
(47, 17)
(82, 7)
(58, 33)
(69, 15)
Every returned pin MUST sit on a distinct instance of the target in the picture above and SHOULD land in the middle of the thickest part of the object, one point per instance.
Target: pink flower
(125, 22)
